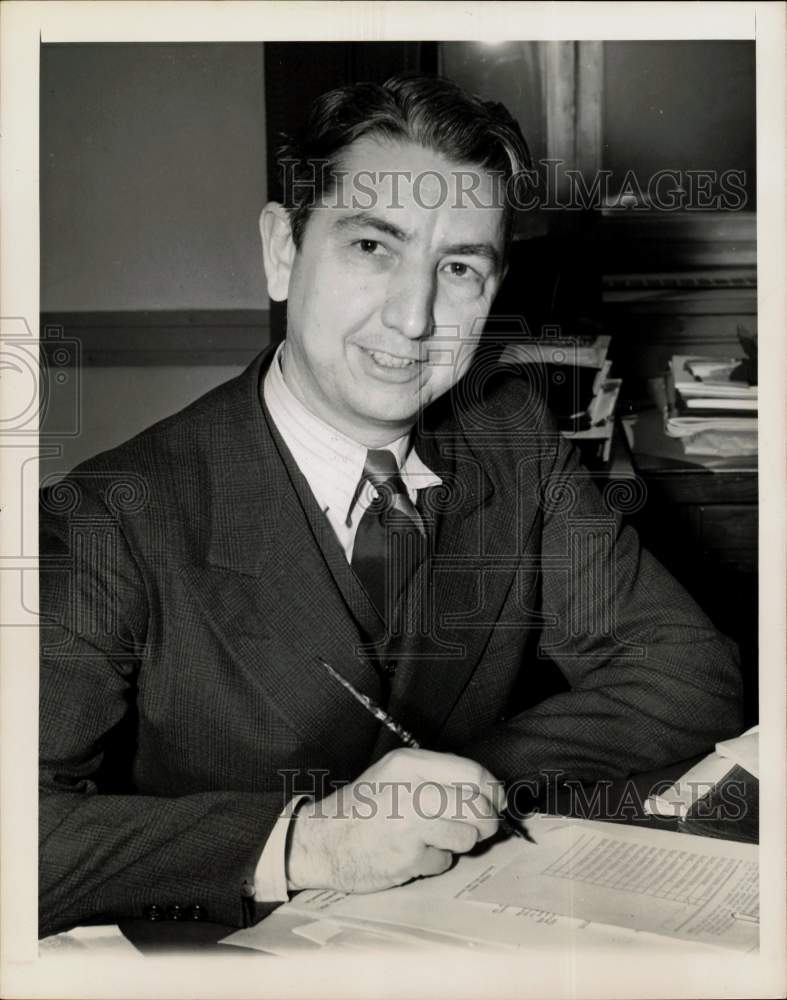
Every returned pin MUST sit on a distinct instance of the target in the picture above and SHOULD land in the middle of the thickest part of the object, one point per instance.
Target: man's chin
(391, 420)
(390, 407)
(393, 411)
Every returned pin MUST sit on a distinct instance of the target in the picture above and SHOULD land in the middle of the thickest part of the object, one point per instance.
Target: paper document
(103, 939)
(483, 901)
(721, 443)
(703, 777)
(695, 784)
(649, 880)
(710, 377)
(743, 750)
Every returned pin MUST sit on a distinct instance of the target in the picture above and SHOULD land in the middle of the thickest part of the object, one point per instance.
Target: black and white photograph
(393, 505)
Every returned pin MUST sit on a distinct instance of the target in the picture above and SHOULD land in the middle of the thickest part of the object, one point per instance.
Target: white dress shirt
(332, 465)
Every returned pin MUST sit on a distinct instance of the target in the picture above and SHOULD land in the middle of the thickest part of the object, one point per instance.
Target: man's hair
(430, 111)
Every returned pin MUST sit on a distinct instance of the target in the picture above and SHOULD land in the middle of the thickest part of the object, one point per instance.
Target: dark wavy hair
(431, 111)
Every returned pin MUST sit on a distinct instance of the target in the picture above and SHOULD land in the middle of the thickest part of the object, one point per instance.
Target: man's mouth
(386, 360)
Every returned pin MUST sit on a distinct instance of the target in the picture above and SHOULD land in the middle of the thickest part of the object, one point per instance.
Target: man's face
(387, 296)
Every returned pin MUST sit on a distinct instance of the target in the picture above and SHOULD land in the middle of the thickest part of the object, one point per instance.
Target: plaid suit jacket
(188, 584)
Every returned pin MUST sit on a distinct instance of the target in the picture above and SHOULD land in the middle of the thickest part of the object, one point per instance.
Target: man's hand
(404, 817)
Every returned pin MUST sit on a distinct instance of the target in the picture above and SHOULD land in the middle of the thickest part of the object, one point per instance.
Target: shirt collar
(332, 462)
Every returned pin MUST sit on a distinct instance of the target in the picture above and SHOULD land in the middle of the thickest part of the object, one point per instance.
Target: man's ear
(278, 249)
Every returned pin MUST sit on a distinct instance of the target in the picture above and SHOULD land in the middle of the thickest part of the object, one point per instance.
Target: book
(710, 387)
(708, 406)
(710, 378)
(720, 427)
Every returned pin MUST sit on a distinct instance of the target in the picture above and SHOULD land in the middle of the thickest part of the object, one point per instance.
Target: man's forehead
(395, 182)
(378, 161)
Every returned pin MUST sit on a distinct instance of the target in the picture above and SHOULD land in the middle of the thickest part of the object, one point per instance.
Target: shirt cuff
(270, 875)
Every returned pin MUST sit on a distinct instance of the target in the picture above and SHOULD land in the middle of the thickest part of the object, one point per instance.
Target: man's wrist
(302, 852)
(270, 876)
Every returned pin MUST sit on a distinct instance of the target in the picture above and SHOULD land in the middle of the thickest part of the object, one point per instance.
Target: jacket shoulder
(168, 458)
(176, 437)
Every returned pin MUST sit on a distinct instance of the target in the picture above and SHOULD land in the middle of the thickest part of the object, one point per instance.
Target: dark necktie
(390, 541)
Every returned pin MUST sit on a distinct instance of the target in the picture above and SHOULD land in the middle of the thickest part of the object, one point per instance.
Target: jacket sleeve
(104, 852)
(651, 680)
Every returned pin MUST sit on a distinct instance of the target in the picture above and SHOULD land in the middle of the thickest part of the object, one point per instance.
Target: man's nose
(409, 304)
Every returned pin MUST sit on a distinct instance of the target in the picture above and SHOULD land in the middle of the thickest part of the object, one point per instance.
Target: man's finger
(491, 787)
(460, 804)
(471, 805)
(434, 861)
(451, 769)
(448, 835)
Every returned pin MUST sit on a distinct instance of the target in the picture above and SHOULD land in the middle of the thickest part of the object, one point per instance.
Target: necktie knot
(382, 473)
(381, 470)
(388, 543)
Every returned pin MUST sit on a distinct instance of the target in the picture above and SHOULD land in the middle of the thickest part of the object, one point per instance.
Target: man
(363, 498)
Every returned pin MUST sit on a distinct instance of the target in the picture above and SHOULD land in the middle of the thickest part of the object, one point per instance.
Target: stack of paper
(712, 407)
(712, 382)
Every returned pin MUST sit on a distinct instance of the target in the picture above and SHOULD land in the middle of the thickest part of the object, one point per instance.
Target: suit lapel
(455, 599)
(266, 589)
(344, 579)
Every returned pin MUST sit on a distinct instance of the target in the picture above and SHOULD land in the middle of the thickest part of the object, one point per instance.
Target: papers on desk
(701, 779)
(689, 888)
(582, 882)
(103, 939)
(710, 407)
(711, 379)
(743, 750)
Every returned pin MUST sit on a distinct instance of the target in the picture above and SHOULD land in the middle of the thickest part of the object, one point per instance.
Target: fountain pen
(508, 826)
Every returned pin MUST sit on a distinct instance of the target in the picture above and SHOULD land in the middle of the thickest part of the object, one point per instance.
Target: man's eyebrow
(366, 220)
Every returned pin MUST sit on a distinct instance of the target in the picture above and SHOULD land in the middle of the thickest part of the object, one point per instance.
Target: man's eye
(458, 269)
(368, 246)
